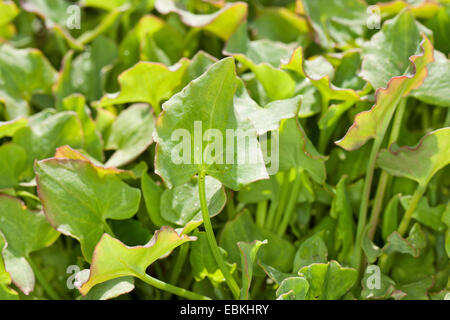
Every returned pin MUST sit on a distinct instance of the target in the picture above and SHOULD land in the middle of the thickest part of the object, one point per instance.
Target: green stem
(108, 229)
(271, 214)
(412, 207)
(261, 211)
(179, 263)
(324, 134)
(231, 208)
(106, 23)
(170, 288)
(384, 178)
(43, 281)
(365, 201)
(283, 199)
(212, 239)
(287, 216)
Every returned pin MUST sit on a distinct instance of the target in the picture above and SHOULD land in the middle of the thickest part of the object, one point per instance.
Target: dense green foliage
(352, 99)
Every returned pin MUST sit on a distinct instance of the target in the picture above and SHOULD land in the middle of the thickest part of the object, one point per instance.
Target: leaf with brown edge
(370, 124)
(248, 257)
(112, 259)
(221, 23)
(78, 197)
(322, 82)
(420, 162)
(149, 82)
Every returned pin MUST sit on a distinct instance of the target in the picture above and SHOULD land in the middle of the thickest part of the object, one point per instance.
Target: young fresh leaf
(263, 58)
(147, 82)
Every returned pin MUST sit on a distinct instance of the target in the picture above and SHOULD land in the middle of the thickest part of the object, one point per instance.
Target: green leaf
(152, 193)
(23, 72)
(243, 229)
(279, 24)
(192, 113)
(420, 162)
(203, 263)
(181, 204)
(152, 39)
(52, 12)
(9, 128)
(114, 4)
(312, 250)
(147, 82)
(297, 151)
(428, 216)
(390, 217)
(12, 164)
(386, 55)
(376, 285)
(5, 279)
(337, 21)
(70, 188)
(371, 250)
(418, 290)
(370, 124)
(328, 281)
(85, 74)
(46, 132)
(131, 134)
(293, 288)
(25, 231)
(412, 245)
(274, 274)
(93, 143)
(319, 71)
(112, 259)
(341, 210)
(221, 23)
(106, 290)
(248, 257)
(436, 87)
(9, 12)
(263, 58)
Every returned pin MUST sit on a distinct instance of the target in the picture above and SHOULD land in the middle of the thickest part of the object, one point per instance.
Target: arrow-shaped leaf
(420, 162)
(112, 259)
(208, 108)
